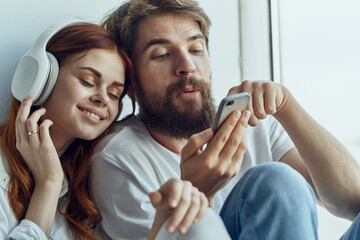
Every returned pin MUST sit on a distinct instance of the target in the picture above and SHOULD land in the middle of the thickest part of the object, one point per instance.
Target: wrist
(54, 178)
(281, 109)
(49, 185)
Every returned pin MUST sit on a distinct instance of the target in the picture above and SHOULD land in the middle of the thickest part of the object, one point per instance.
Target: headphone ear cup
(38, 70)
(50, 81)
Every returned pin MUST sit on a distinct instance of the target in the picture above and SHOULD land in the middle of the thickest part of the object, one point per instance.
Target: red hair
(75, 161)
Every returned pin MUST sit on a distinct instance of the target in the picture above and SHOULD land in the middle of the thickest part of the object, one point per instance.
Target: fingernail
(196, 220)
(237, 114)
(171, 228)
(182, 230)
(246, 114)
(173, 203)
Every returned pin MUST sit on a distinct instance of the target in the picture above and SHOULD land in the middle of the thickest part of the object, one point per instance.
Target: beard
(163, 116)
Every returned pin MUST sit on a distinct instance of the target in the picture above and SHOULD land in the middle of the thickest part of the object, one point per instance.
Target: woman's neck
(61, 139)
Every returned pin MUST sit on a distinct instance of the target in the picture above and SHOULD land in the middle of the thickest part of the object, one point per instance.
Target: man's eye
(197, 51)
(162, 56)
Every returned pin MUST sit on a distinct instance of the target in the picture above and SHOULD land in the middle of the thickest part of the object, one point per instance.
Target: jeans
(271, 201)
(353, 233)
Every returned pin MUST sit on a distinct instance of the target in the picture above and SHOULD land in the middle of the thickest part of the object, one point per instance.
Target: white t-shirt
(10, 228)
(128, 164)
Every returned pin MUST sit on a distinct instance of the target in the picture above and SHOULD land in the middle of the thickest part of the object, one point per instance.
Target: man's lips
(189, 94)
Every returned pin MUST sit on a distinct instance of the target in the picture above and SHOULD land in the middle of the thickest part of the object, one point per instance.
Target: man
(167, 41)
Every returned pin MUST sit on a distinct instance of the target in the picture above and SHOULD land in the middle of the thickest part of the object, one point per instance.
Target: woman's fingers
(192, 213)
(21, 118)
(191, 209)
(32, 125)
(184, 203)
(182, 206)
(204, 204)
(44, 131)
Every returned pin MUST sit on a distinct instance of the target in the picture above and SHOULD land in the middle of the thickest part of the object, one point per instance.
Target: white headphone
(38, 69)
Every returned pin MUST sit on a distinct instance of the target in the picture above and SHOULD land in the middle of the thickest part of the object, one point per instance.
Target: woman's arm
(41, 157)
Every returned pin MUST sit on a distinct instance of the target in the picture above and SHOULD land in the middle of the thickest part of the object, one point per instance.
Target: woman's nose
(100, 97)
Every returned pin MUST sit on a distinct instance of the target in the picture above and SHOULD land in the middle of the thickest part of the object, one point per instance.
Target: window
(313, 48)
(320, 62)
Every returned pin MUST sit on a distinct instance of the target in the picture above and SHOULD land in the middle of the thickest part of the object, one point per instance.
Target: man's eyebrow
(159, 41)
(96, 73)
(197, 36)
(156, 41)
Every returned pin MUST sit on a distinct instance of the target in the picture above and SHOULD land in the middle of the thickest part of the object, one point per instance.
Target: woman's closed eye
(87, 83)
(114, 96)
(115, 92)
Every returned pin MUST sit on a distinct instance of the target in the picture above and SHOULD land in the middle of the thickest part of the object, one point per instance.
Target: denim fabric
(353, 233)
(271, 201)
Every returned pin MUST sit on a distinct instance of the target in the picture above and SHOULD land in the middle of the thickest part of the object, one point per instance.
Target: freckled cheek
(77, 91)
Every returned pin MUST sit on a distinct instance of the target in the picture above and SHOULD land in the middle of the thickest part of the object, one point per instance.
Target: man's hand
(266, 98)
(210, 170)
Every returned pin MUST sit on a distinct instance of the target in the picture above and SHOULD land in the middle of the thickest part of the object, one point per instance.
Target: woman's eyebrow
(96, 73)
(99, 75)
(118, 84)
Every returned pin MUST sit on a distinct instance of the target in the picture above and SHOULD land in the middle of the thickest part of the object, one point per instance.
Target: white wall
(21, 22)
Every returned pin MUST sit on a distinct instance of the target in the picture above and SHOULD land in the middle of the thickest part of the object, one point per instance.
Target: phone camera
(230, 103)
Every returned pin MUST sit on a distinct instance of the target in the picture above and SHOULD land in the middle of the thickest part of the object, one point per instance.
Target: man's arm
(319, 157)
(334, 172)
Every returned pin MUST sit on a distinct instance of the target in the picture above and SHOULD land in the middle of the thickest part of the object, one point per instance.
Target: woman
(45, 150)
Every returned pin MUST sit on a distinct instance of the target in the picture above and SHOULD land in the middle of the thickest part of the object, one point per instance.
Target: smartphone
(229, 104)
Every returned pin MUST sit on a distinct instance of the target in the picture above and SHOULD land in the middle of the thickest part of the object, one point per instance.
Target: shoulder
(122, 137)
(127, 146)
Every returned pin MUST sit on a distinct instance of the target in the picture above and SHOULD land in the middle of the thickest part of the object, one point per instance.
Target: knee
(278, 180)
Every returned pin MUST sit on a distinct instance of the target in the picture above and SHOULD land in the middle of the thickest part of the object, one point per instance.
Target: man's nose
(185, 65)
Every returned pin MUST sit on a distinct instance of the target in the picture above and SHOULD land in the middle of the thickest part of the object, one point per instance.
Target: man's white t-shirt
(128, 164)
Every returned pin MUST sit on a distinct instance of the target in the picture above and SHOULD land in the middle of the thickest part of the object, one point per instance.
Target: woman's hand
(179, 201)
(35, 145)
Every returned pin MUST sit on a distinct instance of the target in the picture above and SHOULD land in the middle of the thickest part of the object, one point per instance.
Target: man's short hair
(123, 21)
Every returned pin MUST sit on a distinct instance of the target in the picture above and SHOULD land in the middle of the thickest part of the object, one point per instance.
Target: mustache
(180, 85)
